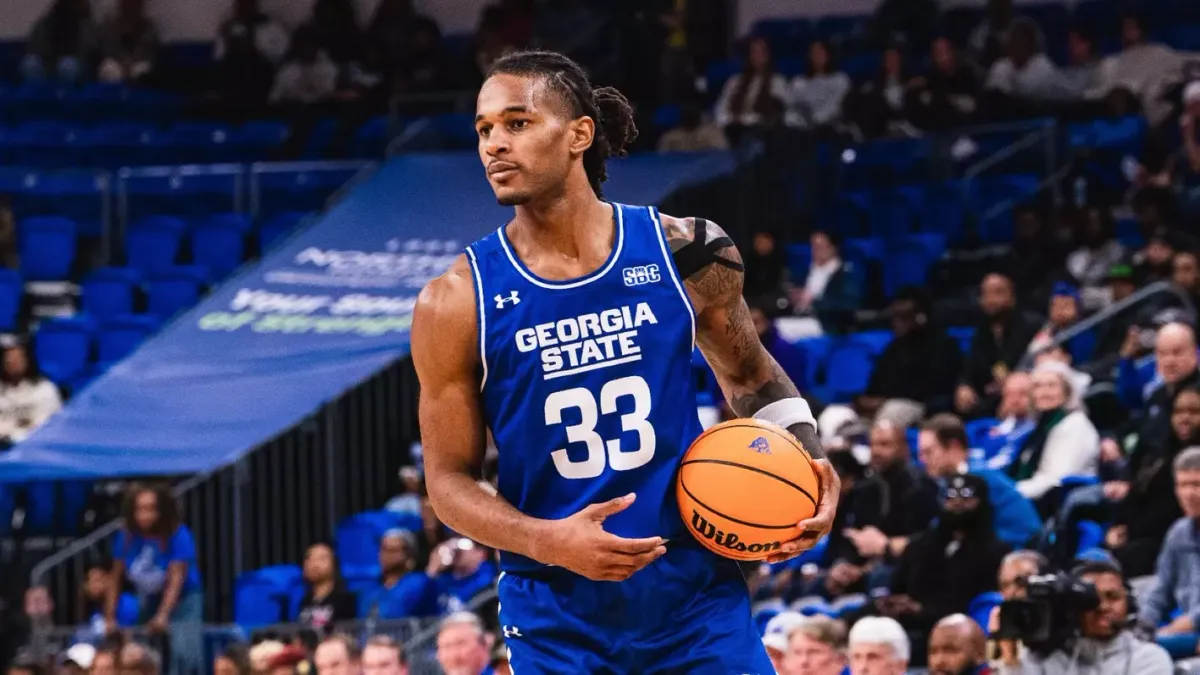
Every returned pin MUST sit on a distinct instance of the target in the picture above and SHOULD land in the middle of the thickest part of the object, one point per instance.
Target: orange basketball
(743, 487)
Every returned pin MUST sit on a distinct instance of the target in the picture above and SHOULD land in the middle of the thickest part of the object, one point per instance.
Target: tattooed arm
(747, 373)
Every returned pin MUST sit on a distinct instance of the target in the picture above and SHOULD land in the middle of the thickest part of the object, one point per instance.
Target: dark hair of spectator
(833, 238)
(831, 65)
(1083, 32)
(1097, 567)
(33, 371)
(737, 102)
(948, 429)
(607, 107)
(239, 655)
(339, 582)
(169, 518)
(1136, 17)
(387, 642)
(351, 645)
(917, 296)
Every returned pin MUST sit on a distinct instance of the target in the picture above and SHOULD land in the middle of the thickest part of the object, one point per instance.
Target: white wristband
(787, 412)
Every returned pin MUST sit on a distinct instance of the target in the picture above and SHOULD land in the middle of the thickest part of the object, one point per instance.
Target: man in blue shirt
(403, 591)
(1177, 587)
(942, 445)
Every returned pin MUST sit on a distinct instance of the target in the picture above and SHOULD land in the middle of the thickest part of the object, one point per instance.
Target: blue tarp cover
(323, 311)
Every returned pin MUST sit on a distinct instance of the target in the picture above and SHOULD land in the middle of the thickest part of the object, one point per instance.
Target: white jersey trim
(482, 315)
(670, 261)
(575, 283)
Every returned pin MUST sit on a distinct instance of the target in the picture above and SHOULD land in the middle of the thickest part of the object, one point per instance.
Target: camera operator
(1086, 622)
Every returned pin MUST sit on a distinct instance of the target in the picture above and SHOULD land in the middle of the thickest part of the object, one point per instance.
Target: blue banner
(322, 312)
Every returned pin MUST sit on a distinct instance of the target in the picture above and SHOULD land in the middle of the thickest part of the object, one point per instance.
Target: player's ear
(582, 132)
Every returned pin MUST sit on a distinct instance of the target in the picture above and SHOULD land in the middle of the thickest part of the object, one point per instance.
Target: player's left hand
(822, 522)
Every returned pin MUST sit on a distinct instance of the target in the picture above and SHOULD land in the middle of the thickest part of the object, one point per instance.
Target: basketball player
(568, 332)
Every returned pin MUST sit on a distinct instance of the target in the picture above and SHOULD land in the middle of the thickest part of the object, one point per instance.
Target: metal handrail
(1027, 141)
(1106, 314)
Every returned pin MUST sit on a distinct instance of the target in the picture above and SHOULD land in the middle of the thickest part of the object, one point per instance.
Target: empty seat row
(72, 350)
(112, 291)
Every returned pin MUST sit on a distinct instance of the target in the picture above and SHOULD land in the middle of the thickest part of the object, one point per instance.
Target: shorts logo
(642, 274)
(730, 541)
(760, 445)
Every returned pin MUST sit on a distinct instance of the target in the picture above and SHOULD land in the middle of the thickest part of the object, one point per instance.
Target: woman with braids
(568, 333)
(747, 95)
(155, 553)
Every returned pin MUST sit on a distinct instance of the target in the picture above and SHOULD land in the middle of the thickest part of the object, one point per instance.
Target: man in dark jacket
(915, 375)
(1000, 341)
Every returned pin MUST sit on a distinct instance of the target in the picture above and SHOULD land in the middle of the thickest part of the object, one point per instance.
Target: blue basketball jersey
(587, 383)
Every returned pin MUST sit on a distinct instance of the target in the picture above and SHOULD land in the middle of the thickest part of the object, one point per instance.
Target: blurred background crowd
(970, 233)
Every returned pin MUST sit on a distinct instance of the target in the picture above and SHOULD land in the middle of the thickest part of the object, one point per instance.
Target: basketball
(743, 487)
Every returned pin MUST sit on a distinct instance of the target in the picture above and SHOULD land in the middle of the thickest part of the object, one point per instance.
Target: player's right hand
(579, 543)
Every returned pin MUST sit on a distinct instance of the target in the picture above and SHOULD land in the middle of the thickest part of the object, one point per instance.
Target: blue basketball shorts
(687, 613)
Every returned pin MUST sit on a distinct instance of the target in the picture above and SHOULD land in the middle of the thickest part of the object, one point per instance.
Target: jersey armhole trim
(673, 270)
(482, 315)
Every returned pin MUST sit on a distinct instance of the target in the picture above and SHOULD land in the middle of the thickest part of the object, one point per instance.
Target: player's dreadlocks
(609, 108)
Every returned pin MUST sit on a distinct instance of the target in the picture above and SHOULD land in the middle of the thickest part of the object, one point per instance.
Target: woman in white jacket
(1064, 442)
(27, 399)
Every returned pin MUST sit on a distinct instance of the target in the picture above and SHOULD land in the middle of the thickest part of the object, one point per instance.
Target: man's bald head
(956, 646)
(1175, 352)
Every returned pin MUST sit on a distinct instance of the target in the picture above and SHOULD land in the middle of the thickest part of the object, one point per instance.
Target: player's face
(527, 139)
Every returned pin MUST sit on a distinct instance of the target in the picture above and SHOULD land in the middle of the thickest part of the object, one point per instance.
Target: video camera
(1047, 620)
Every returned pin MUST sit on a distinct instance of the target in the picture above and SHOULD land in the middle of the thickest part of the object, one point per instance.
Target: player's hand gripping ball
(743, 488)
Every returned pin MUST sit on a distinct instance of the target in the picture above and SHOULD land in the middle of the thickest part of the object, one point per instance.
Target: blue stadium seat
(109, 291)
(12, 290)
(977, 431)
(862, 250)
(358, 536)
(172, 223)
(1090, 535)
(371, 139)
(906, 264)
(964, 335)
(277, 227)
(119, 337)
(299, 190)
(199, 143)
(816, 351)
(999, 195)
(944, 210)
(219, 248)
(719, 73)
(875, 340)
(117, 144)
(185, 191)
(843, 215)
(319, 140)
(47, 248)
(63, 345)
(254, 141)
(78, 195)
(55, 508)
(890, 214)
(848, 368)
(174, 290)
(264, 596)
(981, 607)
(151, 248)
(238, 221)
(46, 144)
(799, 258)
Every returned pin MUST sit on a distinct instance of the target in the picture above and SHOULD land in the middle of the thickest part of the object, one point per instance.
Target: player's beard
(513, 199)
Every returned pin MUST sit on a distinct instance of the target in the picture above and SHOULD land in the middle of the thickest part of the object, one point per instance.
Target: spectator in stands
(10, 255)
(105, 662)
(817, 96)
(943, 451)
(1145, 70)
(1176, 367)
(1148, 507)
(1113, 333)
(36, 617)
(383, 656)
(262, 654)
(308, 75)
(338, 655)
(1153, 262)
(816, 646)
(250, 28)
(915, 374)
(877, 108)
(996, 348)
(1017, 421)
(1082, 78)
(412, 481)
(63, 44)
(1176, 591)
(25, 665)
(1098, 252)
(957, 646)
(989, 39)
(1065, 311)
(290, 660)
(462, 570)
(1025, 72)
(1012, 581)
(947, 96)
(235, 660)
(878, 646)
(155, 553)
(742, 100)
(1036, 257)
(1064, 442)
(463, 647)
(334, 27)
(93, 595)
(895, 502)
(130, 44)
(766, 266)
(403, 592)
(695, 133)
(77, 659)
(791, 358)
(326, 600)
(1186, 275)
(492, 41)
(831, 291)
(27, 398)
(137, 659)
(948, 564)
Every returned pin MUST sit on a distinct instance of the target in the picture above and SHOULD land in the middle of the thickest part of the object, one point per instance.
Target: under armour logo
(511, 632)
(760, 445)
(501, 301)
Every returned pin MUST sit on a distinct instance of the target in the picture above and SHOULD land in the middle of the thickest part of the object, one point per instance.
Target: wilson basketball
(743, 487)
